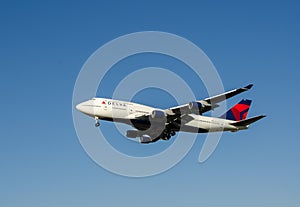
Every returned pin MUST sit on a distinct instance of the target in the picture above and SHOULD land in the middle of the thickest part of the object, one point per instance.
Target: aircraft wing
(180, 115)
(208, 103)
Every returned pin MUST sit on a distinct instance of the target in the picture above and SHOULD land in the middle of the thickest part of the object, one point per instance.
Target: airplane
(153, 124)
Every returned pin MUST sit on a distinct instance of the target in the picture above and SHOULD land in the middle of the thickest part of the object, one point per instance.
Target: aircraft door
(130, 109)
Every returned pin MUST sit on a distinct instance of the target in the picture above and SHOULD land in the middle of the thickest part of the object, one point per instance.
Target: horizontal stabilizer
(248, 121)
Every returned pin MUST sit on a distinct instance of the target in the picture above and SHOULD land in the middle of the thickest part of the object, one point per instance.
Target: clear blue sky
(43, 47)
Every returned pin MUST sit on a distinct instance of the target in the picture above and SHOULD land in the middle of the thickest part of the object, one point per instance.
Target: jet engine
(132, 133)
(158, 114)
(195, 107)
(145, 139)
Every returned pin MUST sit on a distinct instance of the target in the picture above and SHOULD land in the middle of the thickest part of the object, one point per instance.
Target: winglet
(248, 86)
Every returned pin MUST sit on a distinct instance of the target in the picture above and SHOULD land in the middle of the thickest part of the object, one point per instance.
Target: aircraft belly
(195, 126)
(204, 126)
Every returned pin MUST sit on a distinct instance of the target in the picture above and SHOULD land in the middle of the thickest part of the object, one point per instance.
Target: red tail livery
(239, 111)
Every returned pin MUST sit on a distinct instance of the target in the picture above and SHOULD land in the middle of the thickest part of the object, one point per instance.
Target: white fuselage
(125, 112)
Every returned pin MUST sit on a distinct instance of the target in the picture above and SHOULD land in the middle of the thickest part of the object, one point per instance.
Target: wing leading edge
(208, 103)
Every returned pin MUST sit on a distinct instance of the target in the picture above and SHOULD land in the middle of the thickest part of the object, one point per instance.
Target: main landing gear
(166, 135)
(97, 121)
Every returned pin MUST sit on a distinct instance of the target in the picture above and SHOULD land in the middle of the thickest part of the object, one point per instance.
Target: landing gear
(172, 133)
(166, 135)
(97, 121)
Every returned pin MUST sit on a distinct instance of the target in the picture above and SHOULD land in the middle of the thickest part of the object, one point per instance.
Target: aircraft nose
(86, 108)
(79, 107)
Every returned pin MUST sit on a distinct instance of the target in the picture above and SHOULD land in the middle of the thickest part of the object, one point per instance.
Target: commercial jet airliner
(153, 124)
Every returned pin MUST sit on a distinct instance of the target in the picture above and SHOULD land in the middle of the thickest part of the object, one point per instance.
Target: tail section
(239, 111)
(247, 122)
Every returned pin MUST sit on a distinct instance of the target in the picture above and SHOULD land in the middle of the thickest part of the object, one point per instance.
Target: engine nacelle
(158, 114)
(145, 139)
(195, 107)
(132, 134)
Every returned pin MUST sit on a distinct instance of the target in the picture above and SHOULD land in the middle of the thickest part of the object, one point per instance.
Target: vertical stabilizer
(239, 111)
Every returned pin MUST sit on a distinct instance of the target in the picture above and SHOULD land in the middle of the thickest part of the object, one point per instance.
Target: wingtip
(262, 116)
(249, 86)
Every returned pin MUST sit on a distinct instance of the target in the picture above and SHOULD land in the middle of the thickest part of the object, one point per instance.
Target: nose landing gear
(97, 121)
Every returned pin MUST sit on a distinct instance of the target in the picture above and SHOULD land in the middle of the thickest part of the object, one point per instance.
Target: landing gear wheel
(97, 121)
(166, 137)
